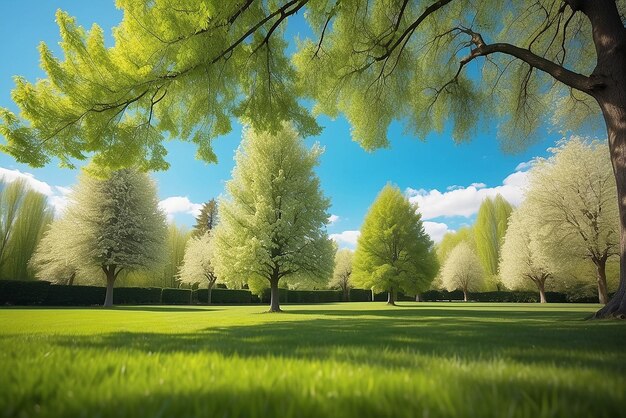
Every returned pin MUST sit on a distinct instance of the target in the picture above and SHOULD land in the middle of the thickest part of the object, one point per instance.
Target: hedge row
(14, 292)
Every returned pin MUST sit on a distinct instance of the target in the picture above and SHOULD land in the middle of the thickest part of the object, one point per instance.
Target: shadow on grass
(164, 308)
(396, 338)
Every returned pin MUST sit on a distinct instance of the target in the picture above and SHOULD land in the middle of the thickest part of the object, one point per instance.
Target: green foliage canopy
(393, 251)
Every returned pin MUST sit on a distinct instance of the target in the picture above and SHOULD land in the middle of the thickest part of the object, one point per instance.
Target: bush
(16, 292)
(556, 297)
(137, 295)
(360, 295)
(499, 296)
(221, 295)
(63, 295)
(438, 295)
(314, 296)
(176, 296)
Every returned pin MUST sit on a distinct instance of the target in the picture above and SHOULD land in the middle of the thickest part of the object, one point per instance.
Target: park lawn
(330, 360)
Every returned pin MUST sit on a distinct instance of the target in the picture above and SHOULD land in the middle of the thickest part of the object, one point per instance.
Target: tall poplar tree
(273, 218)
(184, 72)
(393, 252)
(489, 230)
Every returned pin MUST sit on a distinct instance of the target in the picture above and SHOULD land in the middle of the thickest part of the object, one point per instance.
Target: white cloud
(524, 166)
(179, 204)
(10, 176)
(436, 230)
(57, 195)
(346, 239)
(465, 201)
(332, 219)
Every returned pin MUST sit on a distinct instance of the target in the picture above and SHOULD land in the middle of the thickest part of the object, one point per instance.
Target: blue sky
(448, 180)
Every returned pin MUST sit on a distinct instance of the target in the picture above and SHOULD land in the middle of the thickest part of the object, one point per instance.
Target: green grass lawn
(333, 360)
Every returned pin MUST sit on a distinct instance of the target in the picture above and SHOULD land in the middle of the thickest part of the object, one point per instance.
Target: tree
(24, 216)
(54, 259)
(462, 270)
(198, 263)
(523, 259)
(342, 272)
(206, 219)
(272, 220)
(177, 239)
(184, 72)
(393, 251)
(116, 224)
(489, 229)
(573, 195)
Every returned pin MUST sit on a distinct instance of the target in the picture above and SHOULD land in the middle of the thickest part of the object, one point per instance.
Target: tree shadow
(479, 338)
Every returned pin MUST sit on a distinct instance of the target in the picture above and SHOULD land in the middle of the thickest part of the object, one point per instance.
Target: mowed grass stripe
(358, 359)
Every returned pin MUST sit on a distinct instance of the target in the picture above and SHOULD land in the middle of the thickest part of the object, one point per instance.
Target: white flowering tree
(462, 270)
(197, 266)
(523, 262)
(572, 195)
(113, 224)
(272, 221)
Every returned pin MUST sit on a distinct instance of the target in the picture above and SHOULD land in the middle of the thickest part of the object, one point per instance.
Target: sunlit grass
(335, 360)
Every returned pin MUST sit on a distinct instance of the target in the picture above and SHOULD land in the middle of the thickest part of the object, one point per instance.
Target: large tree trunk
(391, 297)
(542, 291)
(110, 276)
(601, 279)
(609, 38)
(274, 296)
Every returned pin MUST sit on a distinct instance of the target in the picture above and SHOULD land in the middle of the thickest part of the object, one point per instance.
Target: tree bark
(209, 288)
(610, 41)
(274, 296)
(110, 276)
(391, 297)
(601, 279)
(542, 291)
(346, 294)
(464, 294)
(417, 297)
(70, 281)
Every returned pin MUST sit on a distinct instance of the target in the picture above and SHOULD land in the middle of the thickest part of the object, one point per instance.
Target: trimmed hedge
(16, 292)
(314, 296)
(282, 296)
(437, 295)
(176, 296)
(360, 295)
(63, 295)
(136, 295)
(221, 295)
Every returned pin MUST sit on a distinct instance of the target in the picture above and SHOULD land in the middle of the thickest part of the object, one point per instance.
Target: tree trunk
(542, 291)
(601, 279)
(417, 297)
(609, 38)
(372, 295)
(274, 296)
(70, 281)
(464, 294)
(346, 294)
(391, 297)
(110, 276)
(210, 287)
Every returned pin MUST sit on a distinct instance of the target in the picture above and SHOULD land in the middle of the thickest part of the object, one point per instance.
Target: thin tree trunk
(110, 276)
(70, 281)
(464, 294)
(346, 294)
(209, 293)
(601, 279)
(274, 296)
(372, 295)
(391, 297)
(417, 297)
